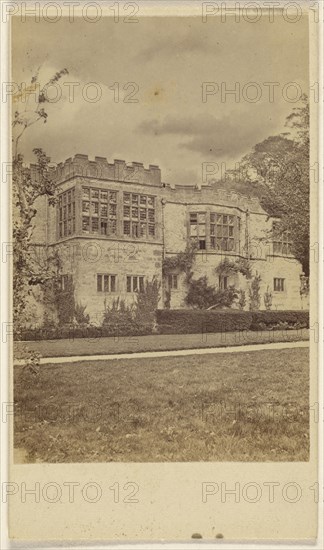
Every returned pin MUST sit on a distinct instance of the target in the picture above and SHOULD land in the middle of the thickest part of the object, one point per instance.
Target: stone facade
(115, 223)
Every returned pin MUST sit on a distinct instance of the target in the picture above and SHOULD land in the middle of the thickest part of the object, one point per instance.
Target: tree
(27, 186)
(281, 166)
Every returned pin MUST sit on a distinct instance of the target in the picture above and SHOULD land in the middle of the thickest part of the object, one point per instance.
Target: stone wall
(86, 255)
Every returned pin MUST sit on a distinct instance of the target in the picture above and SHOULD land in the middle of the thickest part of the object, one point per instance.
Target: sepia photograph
(200, 243)
(163, 252)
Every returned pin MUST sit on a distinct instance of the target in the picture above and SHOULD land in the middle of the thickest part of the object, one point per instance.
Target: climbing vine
(231, 267)
(182, 261)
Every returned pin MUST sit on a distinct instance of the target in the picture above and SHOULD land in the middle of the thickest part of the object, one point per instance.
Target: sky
(162, 62)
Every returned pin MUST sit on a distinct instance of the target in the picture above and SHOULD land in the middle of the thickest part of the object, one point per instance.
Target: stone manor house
(114, 223)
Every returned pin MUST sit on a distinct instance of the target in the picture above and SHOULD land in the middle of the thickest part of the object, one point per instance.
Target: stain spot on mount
(196, 536)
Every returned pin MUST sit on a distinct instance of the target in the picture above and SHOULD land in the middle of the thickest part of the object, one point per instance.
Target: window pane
(231, 245)
(106, 286)
(135, 230)
(175, 281)
(135, 283)
(104, 196)
(126, 198)
(126, 228)
(104, 227)
(99, 283)
(113, 196)
(94, 225)
(151, 229)
(112, 283)
(86, 192)
(129, 284)
(113, 227)
(126, 211)
(113, 210)
(85, 224)
(141, 284)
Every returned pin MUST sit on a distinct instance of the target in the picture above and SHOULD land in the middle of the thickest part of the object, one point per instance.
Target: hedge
(71, 332)
(180, 321)
(189, 321)
(277, 319)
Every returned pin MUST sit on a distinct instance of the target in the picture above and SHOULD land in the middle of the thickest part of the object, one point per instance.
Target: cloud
(226, 136)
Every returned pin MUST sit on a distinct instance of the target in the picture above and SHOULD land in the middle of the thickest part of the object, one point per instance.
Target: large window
(66, 213)
(106, 283)
(135, 283)
(281, 240)
(139, 216)
(197, 221)
(222, 232)
(99, 211)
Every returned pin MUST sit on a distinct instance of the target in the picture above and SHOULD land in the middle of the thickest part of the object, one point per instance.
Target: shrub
(203, 296)
(254, 293)
(80, 316)
(267, 298)
(147, 302)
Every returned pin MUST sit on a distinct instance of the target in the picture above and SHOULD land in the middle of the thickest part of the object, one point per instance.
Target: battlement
(135, 172)
(100, 168)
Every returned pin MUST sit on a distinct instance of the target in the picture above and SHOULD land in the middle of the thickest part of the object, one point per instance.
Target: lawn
(155, 342)
(250, 406)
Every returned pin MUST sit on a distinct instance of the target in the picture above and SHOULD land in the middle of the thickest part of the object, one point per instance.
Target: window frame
(281, 241)
(106, 283)
(95, 201)
(279, 284)
(66, 213)
(139, 216)
(138, 287)
(201, 228)
(173, 281)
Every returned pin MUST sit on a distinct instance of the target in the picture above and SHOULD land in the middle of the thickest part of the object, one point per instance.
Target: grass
(154, 342)
(237, 407)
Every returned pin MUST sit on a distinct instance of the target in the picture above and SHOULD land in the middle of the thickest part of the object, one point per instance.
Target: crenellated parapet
(135, 172)
(100, 168)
